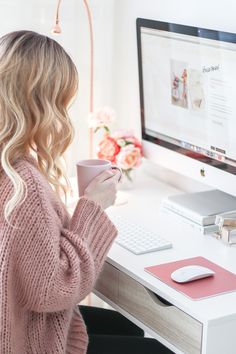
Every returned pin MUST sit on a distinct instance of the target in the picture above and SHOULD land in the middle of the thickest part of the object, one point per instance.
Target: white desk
(207, 326)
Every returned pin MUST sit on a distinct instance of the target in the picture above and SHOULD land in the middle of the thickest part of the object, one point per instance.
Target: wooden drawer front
(107, 283)
(170, 322)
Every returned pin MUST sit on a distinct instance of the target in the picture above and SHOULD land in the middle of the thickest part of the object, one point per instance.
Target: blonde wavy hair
(38, 80)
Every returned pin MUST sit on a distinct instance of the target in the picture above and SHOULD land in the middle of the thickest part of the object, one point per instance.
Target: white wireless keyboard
(137, 239)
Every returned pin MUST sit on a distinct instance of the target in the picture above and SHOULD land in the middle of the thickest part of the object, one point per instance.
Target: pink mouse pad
(223, 281)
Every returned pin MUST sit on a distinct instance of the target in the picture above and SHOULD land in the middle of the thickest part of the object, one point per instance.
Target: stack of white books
(200, 209)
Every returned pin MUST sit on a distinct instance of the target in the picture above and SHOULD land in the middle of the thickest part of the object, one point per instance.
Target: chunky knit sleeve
(55, 263)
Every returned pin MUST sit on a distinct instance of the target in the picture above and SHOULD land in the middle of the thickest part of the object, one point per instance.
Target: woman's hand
(102, 189)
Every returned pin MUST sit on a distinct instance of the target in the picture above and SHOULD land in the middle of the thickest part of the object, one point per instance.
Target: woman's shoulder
(38, 189)
(28, 169)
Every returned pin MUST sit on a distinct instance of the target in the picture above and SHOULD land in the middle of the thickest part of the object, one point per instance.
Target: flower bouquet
(121, 147)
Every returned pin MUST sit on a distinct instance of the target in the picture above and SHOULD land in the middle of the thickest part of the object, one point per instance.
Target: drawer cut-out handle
(158, 299)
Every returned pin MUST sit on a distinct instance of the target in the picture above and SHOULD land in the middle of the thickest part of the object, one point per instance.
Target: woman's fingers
(107, 175)
(103, 176)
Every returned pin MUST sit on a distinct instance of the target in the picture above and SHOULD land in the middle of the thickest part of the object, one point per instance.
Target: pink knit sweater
(48, 264)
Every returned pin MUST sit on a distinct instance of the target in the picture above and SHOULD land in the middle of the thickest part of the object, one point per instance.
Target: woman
(49, 261)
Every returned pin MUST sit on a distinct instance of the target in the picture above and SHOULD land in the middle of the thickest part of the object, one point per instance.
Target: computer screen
(187, 79)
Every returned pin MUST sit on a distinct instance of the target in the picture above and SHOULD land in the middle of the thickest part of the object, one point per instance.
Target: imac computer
(187, 81)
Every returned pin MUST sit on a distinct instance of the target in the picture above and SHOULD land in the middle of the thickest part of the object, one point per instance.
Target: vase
(127, 183)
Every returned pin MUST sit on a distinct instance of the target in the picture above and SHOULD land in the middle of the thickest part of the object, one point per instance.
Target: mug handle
(113, 167)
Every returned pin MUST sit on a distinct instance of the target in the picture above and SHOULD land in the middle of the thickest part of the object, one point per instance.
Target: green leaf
(102, 127)
(127, 174)
(106, 129)
(96, 130)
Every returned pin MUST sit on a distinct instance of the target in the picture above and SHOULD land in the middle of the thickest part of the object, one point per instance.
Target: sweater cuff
(94, 227)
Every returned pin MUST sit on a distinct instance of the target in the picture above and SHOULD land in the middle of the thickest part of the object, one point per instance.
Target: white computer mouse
(190, 273)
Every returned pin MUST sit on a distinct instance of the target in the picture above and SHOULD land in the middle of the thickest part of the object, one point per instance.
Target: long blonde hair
(38, 80)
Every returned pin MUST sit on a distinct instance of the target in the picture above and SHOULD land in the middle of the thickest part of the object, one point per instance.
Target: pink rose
(129, 157)
(126, 136)
(134, 141)
(122, 134)
(108, 149)
(102, 117)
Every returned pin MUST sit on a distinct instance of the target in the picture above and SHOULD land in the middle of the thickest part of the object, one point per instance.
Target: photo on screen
(179, 86)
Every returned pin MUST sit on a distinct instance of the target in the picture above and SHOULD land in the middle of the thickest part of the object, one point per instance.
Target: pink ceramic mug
(87, 170)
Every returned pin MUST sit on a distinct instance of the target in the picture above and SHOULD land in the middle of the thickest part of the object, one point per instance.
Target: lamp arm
(91, 98)
(56, 30)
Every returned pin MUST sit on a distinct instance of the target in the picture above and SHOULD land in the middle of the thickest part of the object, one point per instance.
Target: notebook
(222, 282)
